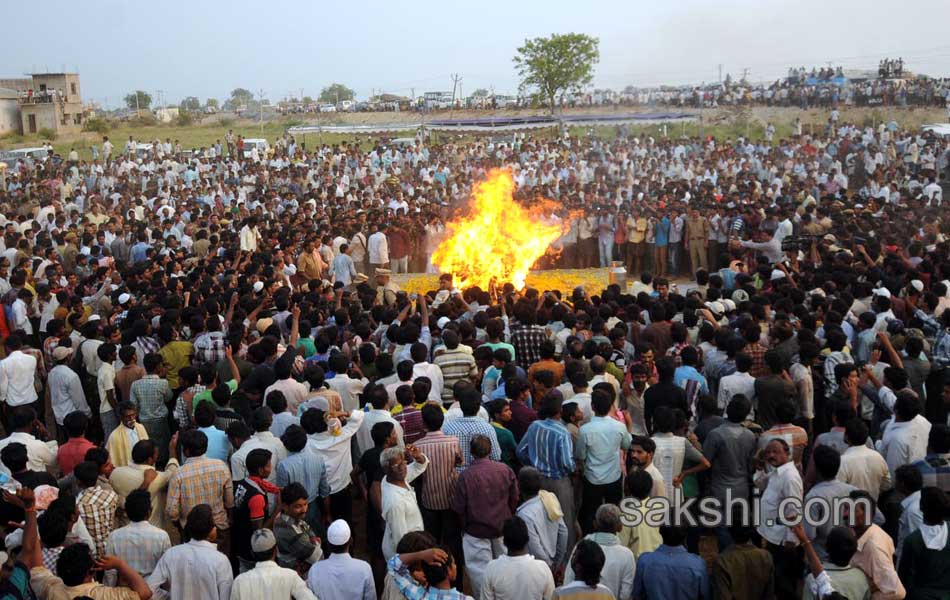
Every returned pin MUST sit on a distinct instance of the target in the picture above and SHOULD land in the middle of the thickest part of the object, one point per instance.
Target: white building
(9, 111)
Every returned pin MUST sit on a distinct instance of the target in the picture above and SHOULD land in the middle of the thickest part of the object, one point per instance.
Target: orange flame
(499, 239)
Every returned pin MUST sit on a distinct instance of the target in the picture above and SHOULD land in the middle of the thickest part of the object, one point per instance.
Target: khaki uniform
(386, 294)
(697, 232)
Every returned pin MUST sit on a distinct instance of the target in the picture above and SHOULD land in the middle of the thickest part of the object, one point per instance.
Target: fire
(498, 239)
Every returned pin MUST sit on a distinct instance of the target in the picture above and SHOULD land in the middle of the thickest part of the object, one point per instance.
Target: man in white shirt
(377, 248)
(517, 574)
(378, 400)
(778, 487)
(261, 420)
(740, 382)
(195, 570)
(347, 387)
(17, 375)
(267, 579)
(905, 436)
(863, 467)
(250, 236)
(41, 456)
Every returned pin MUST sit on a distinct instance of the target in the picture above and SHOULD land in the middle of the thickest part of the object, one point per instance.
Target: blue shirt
(139, 251)
(218, 445)
(685, 373)
(671, 573)
(598, 446)
(662, 232)
(307, 469)
(547, 446)
(465, 429)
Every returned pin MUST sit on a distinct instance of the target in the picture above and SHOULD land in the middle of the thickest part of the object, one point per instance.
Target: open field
(723, 123)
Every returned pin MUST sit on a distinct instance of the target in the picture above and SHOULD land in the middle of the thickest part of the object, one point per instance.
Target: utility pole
(261, 103)
(456, 84)
(745, 74)
(720, 73)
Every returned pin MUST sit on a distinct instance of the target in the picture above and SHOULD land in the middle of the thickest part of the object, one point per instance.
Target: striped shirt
(466, 429)
(200, 481)
(97, 508)
(412, 426)
(443, 452)
(794, 436)
(548, 447)
(456, 365)
(139, 544)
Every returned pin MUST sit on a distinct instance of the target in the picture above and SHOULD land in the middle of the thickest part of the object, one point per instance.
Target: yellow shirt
(643, 537)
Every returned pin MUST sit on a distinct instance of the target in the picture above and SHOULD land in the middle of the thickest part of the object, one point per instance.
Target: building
(54, 102)
(167, 114)
(17, 84)
(9, 111)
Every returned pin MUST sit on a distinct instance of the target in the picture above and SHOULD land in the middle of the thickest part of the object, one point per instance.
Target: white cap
(123, 298)
(729, 305)
(917, 285)
(443, 321)
(258, 286)
(338, 533)
(93, 318)
(882, 291)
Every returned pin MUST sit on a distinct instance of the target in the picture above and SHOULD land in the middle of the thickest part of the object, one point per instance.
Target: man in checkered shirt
(527, 335)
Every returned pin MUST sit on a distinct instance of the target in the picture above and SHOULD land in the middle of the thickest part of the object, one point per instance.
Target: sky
(206, 48)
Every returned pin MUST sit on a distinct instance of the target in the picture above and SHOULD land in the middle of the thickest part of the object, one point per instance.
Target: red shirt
(72, 453)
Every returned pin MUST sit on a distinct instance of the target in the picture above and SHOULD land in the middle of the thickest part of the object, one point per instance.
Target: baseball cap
(338, 533)
(263, 540)
(443, 321)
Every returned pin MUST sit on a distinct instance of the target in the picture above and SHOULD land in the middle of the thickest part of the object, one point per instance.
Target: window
(65, 118)
(77, 119)
(72, 89)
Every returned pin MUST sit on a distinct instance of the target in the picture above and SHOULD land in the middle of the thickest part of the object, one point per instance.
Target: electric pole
(720, 73)
(261, 103)
(456, 84)
(745, 74)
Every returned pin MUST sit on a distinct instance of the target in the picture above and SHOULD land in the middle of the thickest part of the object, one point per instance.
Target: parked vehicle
(251, 143)
(327, 108)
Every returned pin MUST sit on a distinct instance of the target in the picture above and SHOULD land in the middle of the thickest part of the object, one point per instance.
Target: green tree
(307, 100)
(241, 96)
(138, 100)
(190, 103)
(336, 92)
(557, 64)
(480, 93)
(212, 103)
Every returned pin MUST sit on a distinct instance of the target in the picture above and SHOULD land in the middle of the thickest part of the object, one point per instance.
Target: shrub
(184, 119)
(47, 134)
(97, 125)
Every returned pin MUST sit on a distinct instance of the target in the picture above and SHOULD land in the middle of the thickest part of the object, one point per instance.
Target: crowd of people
(213, 389)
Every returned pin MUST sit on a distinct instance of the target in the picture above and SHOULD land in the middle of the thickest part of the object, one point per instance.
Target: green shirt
(205, 396)
(506, 440)
(307, 346)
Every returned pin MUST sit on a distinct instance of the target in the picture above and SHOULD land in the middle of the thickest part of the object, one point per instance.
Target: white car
(941, 129)
(251, 143)
(327, 108)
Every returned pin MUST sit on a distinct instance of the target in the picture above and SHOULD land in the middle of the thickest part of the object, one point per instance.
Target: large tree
(555, 65)
(336, 92)
(212, 103)
(138, 100)
(241, 96)
(190, 103)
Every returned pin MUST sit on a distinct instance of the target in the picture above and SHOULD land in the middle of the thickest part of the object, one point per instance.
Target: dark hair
(381, 432)
(256, 460)
(437, 573)
(294, 438)
(200, 522)
(827, 462)
(74, 564)
(194, 442)
(648, 445)
(588, 562)
(53, 527)
(639, 483)
(673, 535)
(841, 545)
(14, 457)
(432, 417)
(87, 473)
(142, 451)
(75, 424)
(738, 409)
(515, 534)
(293, 492)
(856, 432)
(910, 478)
(138, 505)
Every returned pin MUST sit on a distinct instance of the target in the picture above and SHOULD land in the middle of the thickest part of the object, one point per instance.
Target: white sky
(208, 47)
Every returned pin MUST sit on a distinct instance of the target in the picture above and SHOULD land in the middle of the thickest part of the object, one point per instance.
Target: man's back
(671, 573)
(516, 577)
(268, 580)
(195, 571)
(341, 577)
(744, 571)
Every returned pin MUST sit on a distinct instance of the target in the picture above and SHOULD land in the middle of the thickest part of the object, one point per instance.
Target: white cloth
(516, 577)
(261, 439)
(910, 520)
(378, 249)
(336, 451)
(268, 580)
(195, 571)
(478, 553)
(865, 469)
(784, 482)
(904, 442)
(364, 437)
(17, 373)
(400, 509)
(40, 456)
(348, 388)
(935, 536)
(737, 383)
